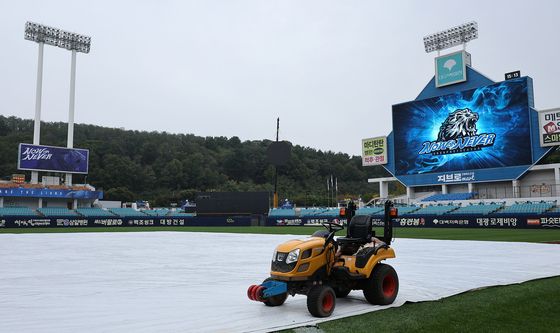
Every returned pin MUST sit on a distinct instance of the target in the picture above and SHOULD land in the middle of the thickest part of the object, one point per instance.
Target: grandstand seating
(451, 196)
(404, 210)
(94, 212)
(319, 212)
(370, 210)
(282, 212)
(127, 212)
(179, 214)
(156, 212)
(527, 208)
(56, 211)
(17, 211)
(478, 209)
(436, 210)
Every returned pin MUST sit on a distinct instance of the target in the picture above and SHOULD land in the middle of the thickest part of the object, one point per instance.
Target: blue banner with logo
(47, 158)
(50, 193)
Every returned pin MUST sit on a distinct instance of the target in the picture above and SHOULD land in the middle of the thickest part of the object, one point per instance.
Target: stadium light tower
(74, 42)
(451, 37)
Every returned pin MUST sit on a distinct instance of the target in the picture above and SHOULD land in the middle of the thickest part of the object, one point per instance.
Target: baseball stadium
(470, 243)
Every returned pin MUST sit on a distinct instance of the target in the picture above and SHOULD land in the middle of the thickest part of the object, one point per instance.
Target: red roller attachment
(251, 293)
(255, 293)
(259, 293)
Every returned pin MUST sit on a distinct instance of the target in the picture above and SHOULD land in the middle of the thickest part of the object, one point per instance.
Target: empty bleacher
(127, 212)
(527, 208)
(156, 212)
(57, 212)
(436, 210)
(179, 214)
(404, 210)
(478, 209)
(451, 196)
(94, 212)
(304, 212)
(18, 211)
(282, 212)
(370, 210)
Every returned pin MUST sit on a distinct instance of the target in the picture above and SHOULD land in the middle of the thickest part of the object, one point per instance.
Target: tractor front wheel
(383, 285)
(321, 301)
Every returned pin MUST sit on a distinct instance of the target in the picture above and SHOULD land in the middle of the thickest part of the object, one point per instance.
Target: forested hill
(164, 168)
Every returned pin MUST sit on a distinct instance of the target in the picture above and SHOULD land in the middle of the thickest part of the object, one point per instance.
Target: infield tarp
(197, 282)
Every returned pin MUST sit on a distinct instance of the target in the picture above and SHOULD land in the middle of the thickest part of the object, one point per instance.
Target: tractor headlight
(292, 256)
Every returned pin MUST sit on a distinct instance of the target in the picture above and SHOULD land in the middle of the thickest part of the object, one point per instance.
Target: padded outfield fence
(65, 221)
(502, 221)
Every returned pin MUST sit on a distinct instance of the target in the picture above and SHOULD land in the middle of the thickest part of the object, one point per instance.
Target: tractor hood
(303, 244)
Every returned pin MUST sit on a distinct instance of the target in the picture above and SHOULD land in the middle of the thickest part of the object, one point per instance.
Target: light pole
(74, 42)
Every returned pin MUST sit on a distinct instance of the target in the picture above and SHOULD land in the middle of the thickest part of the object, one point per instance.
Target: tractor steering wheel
(332, 226)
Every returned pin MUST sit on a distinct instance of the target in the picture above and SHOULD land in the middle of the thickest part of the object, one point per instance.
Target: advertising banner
(47, 158)
(503, 221)
(451, 68)
(69, 222)
(374, 151)
(453, 137)
(549, 127)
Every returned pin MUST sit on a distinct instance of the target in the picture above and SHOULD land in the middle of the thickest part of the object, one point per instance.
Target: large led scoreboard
(487, 133)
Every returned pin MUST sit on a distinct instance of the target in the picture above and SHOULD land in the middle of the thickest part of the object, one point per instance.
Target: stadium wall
(67, 222)
(503, 221)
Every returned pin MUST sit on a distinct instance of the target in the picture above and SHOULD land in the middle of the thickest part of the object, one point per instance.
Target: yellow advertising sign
(374, 151)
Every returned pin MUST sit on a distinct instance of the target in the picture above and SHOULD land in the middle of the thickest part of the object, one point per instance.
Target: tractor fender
(381, 254)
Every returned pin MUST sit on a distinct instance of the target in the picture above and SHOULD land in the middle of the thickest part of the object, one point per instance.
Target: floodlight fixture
(451, 37)
(56, 37)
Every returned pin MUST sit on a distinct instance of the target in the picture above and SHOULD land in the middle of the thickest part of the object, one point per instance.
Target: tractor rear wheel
(321, 301)
(383, 285)
(275, 300)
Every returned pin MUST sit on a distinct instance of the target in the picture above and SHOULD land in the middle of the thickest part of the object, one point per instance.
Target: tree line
(165, 168)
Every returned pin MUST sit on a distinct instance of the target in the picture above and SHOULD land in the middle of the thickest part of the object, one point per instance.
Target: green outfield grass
(528, 307)
(510, 235)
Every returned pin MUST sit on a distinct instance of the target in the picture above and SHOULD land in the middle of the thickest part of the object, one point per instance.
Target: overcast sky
(331, 70)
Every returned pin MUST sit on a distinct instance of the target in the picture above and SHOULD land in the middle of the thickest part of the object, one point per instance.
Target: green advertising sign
(451, 69)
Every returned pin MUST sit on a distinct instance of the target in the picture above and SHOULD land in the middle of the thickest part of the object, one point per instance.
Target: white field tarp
(197, 282)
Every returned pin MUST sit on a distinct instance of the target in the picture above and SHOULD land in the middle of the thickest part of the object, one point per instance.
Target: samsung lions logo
(458, 134)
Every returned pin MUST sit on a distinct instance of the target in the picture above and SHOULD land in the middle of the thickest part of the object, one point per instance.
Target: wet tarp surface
(197, 282)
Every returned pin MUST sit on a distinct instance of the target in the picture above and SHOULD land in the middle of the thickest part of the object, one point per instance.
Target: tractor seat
(359, 231)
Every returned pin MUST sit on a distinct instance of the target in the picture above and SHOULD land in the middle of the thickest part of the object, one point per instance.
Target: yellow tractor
(324, 268)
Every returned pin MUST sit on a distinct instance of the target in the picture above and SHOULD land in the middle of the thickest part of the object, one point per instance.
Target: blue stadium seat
(17, 211)
(477, 209)
(57, 212)
(451, 196)
(436, 210)
(94, 212)
(527, 208)
(127, 212)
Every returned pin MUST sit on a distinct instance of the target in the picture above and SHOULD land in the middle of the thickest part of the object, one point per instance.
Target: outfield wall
(502, 221)
(61, 222)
